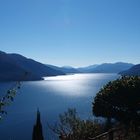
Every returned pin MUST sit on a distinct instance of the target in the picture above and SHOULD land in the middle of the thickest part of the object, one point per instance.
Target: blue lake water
(52, 96)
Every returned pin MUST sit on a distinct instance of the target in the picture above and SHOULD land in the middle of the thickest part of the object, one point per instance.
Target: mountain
(11, 71)
(68, 69)
(65, 69)
(135, 70)
(102, 68)
(110, 67)
(15, 67)
(35, 67)
(87, 69)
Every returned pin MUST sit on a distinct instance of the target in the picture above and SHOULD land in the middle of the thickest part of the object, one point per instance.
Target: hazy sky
(71, 32)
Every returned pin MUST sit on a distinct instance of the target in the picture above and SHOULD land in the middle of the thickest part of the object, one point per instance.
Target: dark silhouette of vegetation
(71, 127)
(8, 98)
(37, 129)
(120, 100)
(10, 94)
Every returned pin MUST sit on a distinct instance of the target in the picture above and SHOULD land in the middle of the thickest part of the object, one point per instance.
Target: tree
(71, 127)
(120, 100)
(37, 129)
(8, 98)
(10, 94)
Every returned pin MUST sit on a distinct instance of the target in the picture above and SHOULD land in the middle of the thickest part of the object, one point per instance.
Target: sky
(71, 32)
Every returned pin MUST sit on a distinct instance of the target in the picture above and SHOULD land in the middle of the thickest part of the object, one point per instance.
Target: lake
(52, 96)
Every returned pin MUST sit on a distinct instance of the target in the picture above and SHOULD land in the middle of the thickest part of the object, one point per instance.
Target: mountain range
(14, 67)
(17, 67)
(65, 69)
(102, 68)
(110, 67)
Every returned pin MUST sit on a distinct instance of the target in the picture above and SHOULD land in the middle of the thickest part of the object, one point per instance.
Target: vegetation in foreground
(118, 103)
(71, 127)
(8, 98)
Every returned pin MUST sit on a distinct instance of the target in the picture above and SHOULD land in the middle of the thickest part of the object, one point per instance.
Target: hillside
(15, 66)
(87, 69)
(135, 70)
(68, 69)
(35, 67)
(11, 71)
(102, 68)
(65, 69)
(111, 67)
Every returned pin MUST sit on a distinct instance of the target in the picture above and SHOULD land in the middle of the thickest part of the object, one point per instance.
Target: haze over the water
(71, 32)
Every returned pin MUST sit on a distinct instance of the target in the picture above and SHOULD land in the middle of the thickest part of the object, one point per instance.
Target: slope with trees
(15, 66)
(72, 127)
(111, 67)
(134, 71)
(120, 100)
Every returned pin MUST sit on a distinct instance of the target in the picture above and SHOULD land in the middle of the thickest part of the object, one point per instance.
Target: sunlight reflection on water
(52, 96)
(73, 85)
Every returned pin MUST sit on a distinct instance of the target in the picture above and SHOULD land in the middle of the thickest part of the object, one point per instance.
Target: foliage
(37, 129)
(120, 100)
(71, 127)
(8, 98)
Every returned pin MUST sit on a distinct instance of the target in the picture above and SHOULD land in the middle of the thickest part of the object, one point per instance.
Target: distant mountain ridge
(35, 67)
(135, 71)
(14, 66)
(111, 67)
(102, 68)
(87, 69)
(68, 69)
(65, 69)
